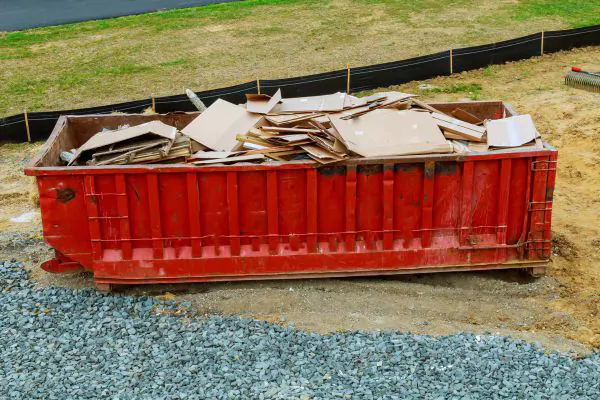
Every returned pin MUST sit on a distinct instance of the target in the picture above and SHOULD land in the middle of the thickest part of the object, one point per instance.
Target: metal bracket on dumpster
(56, 266)
(547, 206)
(533, 165)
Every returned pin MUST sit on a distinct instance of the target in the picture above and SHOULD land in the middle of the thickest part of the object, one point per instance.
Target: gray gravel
(58, 343)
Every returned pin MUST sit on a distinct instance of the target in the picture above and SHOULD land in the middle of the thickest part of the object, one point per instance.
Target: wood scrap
(466, 116)
(462, 129)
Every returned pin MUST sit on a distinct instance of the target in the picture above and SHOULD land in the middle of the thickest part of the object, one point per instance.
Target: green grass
(127, 58)
(472, 90)
(576, 13)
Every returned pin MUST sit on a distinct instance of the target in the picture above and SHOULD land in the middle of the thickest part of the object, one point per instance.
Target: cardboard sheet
(386, 132)
(462, 129)
(211, 155)
(217, 127)
(389, 96)
(231, 160)
(107, 138)
(511, 131)
(330, 102)
(262, 103)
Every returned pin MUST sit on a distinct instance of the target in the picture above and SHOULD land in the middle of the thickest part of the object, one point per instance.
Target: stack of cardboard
(151, 142)
(325, 129)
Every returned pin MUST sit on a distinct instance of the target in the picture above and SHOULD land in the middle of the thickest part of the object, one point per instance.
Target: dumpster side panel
(388, 217)
(64, 216)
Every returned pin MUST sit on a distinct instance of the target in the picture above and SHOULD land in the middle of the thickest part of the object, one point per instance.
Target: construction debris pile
(325, 129)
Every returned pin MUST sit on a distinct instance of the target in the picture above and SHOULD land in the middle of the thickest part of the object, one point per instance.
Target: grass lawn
(102, 62)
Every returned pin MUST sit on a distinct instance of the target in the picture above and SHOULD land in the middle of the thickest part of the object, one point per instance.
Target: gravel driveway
(58, 343)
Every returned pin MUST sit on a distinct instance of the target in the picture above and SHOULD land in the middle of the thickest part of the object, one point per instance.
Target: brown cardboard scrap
(330, 102)
(107, 138)
(291, 139)
(231, 160)
(320, 154)
(478, 147)
(388, 96)
(289, 130)
(511, 131)
(217, 127)
(387, 132)
(262, 103)
(178, 149)
(211, 155)
(290, 119)
(461, 128)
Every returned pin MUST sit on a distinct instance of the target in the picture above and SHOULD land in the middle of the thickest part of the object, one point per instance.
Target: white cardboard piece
(386, 132)
(511, 132)
(218, 125)
(330, 102)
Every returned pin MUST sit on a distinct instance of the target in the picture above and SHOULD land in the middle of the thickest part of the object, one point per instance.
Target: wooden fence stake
(27, 126)
(258, 85)
(348, 80)
(451, 63)
(542, 45)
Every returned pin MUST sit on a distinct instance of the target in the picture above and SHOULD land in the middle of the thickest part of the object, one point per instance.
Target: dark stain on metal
(65, 195)
(446, 168)
(137, 194)
(549, 193)
(404, 167)
(370, 169)
(332, 171)
(429, 170)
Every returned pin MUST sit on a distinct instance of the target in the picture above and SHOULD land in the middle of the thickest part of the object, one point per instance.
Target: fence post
(27, 126)
(542, 45)
(258, 86)
(348, 79)
(451, 63)
(153, 103)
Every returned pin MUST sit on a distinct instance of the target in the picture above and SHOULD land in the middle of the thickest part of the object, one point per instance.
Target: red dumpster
(371, 216)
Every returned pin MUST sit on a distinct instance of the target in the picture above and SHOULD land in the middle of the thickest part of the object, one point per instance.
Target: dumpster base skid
(534, 269)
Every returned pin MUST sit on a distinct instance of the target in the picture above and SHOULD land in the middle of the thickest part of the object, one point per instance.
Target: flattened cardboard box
(330, 102)
(102, 139)
(217, 127)
(386, 132)
(262, 103)
(511, 131)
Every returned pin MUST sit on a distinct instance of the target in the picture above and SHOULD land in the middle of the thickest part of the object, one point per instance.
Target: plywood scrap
(466, 116)
(511, 131)
(262, 103)
(425, 106)
(458, 128)
(217, 127)
(386, 132)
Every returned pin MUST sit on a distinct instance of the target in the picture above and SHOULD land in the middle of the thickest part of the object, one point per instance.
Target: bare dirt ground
(561, 310)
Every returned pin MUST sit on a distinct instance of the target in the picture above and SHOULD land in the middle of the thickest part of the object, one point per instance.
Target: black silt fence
(13, 129)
